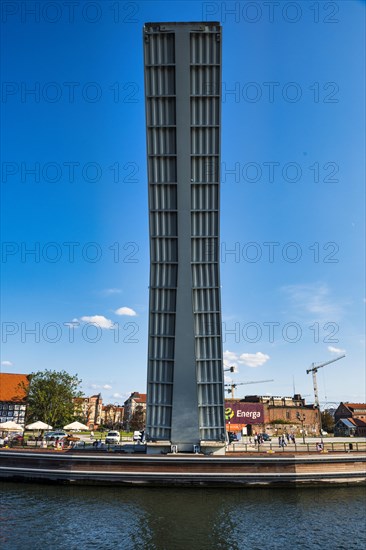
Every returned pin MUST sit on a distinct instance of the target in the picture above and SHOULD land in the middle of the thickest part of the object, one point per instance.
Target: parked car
(113, 437)
(55, 436)
(266, 437)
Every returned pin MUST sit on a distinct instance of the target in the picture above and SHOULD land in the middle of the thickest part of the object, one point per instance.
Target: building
(89, 410)
(272, 414)
(350, 410)
(349, 427)
(185, 390)
(136, 400)
(13, 397)
(112, 416)
(350, 419)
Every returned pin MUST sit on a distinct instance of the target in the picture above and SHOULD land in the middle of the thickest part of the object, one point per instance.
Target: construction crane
(314, 370)
(230, 369)
(231, 387)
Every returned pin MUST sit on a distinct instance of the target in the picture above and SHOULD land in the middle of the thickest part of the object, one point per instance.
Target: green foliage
(138, 419)
(279, 421)
(327, 422)
(50, 397)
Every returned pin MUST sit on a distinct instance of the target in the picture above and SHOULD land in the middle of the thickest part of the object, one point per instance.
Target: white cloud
(117, 395)
(98, 320)
(253, 359)
(247, 359)
(335, 350)
(126, 311)
(111, 291)
(230, 357)
(6, 363)
(313, 298)
(100, 387)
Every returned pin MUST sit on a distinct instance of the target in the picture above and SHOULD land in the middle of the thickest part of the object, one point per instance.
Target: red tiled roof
(141, 398)
(10, 389)
(359, 423)
(355, 405)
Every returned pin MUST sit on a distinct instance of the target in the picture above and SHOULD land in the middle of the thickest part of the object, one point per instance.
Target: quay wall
(183, 470)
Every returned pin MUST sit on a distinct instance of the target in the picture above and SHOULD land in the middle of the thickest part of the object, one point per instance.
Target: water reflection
(167, 519)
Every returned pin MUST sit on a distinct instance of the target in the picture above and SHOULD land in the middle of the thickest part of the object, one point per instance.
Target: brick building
(136, 399)
(112, 416)
(89, 410)
(276, 414)
(13, 397)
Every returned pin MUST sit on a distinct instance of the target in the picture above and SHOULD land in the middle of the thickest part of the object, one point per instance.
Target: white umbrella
(11, 426)
(76, 426)
(39, 425)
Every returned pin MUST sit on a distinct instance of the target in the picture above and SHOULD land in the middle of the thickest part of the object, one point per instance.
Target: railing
(80, 445)
(269, 447)
(316, 447)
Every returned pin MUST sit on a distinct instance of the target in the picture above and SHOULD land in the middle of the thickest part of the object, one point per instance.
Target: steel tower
(185, 391)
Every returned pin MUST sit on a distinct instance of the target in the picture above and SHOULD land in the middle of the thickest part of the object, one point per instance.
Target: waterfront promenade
(236, 469)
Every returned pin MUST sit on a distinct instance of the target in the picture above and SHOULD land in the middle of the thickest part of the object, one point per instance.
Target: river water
(63, 517)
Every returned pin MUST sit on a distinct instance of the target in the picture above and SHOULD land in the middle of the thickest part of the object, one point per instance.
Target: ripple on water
(167, 519)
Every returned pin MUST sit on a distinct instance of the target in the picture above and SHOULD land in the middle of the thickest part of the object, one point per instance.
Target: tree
(50, 397)
(327, 422)
(137, 421)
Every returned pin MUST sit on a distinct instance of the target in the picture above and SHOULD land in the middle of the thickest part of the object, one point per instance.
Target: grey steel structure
(185, 390)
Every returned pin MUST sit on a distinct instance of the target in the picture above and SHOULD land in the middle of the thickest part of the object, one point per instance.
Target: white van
(113, 437)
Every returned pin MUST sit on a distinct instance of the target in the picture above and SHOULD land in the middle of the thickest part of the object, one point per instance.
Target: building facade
(89, 410)
(350, 420)
(13, 397)
(135, 400)
(272, 414)
(185, 391)
(112, 416)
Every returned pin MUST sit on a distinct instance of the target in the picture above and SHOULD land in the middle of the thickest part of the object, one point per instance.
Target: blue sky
(74, 192)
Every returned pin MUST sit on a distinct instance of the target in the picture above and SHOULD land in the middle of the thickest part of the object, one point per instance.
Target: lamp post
(302, 417)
